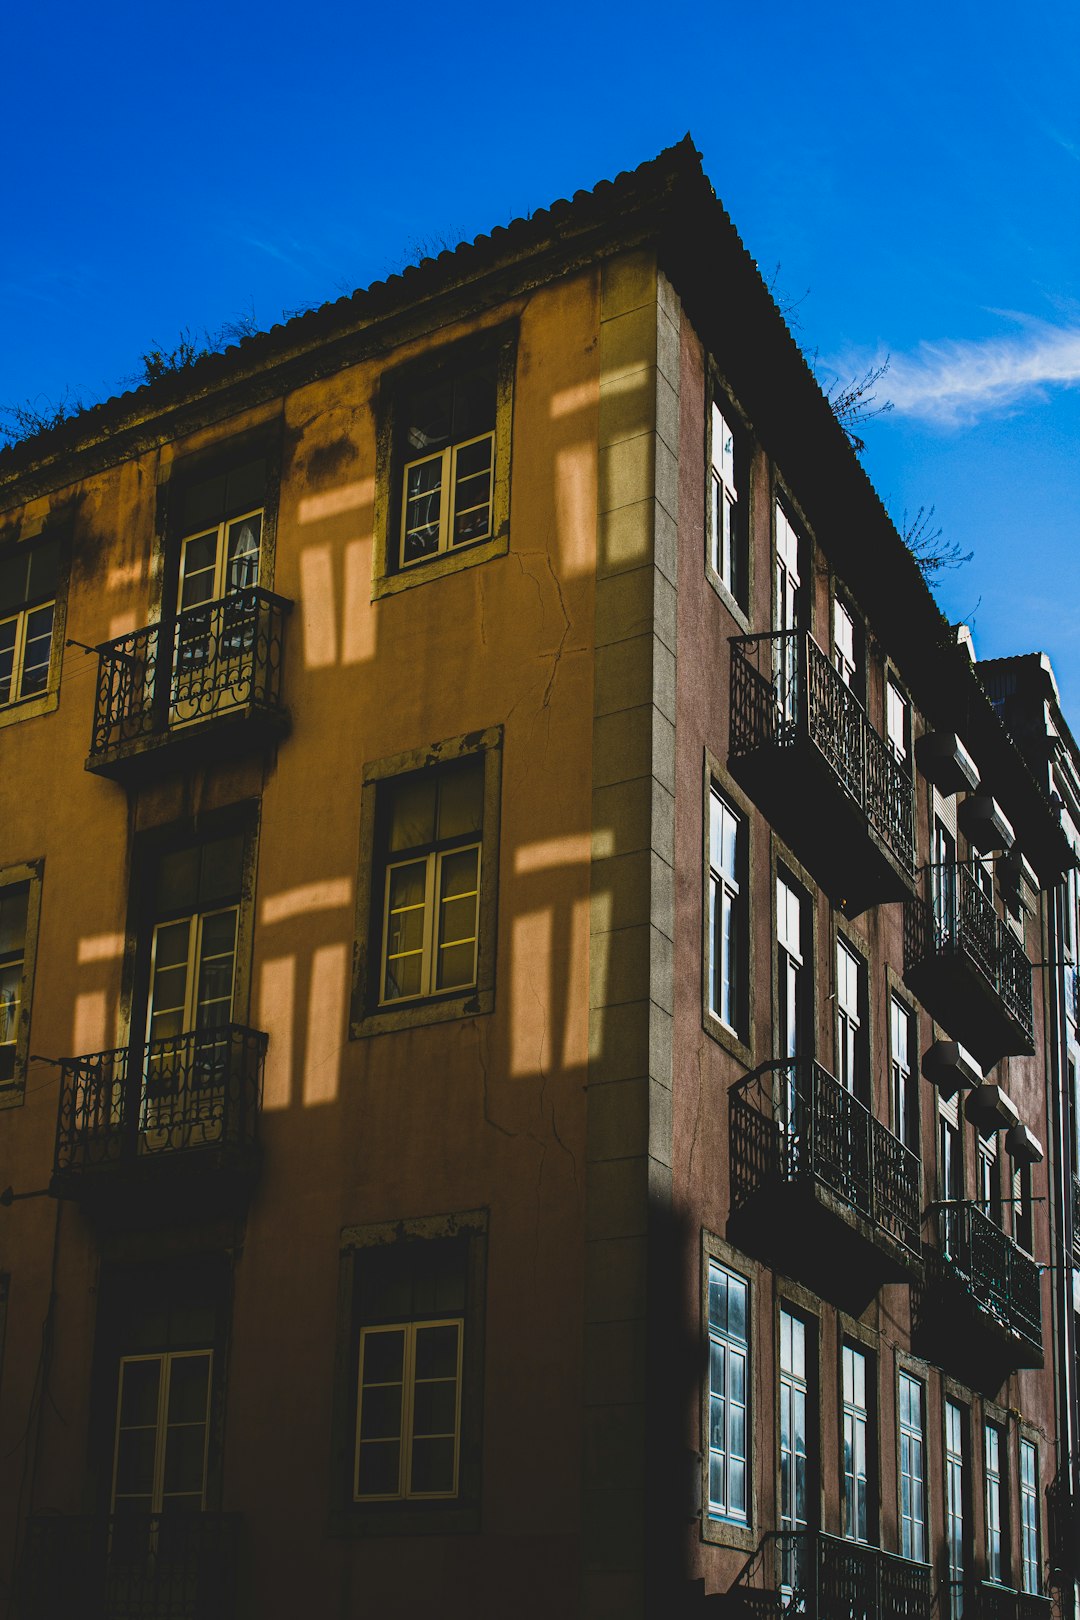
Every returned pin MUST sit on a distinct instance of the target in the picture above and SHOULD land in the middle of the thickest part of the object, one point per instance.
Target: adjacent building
(531, 1054)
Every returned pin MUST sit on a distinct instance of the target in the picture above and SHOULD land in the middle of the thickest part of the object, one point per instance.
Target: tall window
(788, 614)
(729, 1351)
(950, 1174)
(1029, 1514)
(728, 915)
(897, 723)
(409, 1371)
(996, 1518)
(432, 826)
(14, 901)
(955, 1500)
(905, 1079)
(162, 1433)
(792, 976)
(795, 1439)
(727, 503)
(912, 1468)
(843, 643)
(944, 886)
(857, 1437)
(990, 1180)
(852, 1024)
(1023, 1209)
(447, 436)
(29, 575)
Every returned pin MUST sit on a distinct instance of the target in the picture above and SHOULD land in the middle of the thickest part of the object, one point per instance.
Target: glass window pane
(432, 1467)
(383, 1355)
(378, 1468)
(412, 813)
(189, 1388)
(461, 800)
(437, 1351)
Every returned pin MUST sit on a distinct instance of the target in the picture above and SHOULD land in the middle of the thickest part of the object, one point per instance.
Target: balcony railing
(1063, 1519)
(1076, 1217)
(827, 1578)
(985, 1600)
(981, 1263)
(794, 1124)
(787, 700)
(221, 659)
(967, 960)
(192, 1098)
(133, 1566)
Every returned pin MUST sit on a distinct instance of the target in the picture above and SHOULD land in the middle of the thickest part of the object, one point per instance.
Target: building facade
(524, 1085)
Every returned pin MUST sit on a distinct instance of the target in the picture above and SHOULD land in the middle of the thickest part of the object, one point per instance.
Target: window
(856, 1444)
(996, 1515)
(852, 1022)
(990, 1180)
(897, 723)
(788, 614)
(950, 1173)
(410, 1397)
(14, 901)
(1029, 1514)
(29, 578)
(729, 1350)
(445, 473)
(844, 643)
(728, 915)
(955, 1505)
(912, 1468)
(1023, 1208)
(793, 980)
(162, 1432)
(20, 898)
(431, 887)
(729, 477)
(795, 1443)
(427, 892)
(905, 1079)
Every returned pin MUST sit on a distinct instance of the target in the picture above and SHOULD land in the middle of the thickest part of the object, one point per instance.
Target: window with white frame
(788, 614)
(843, 643)
(856, 1441)
(729, 1353)
(897, 722)
(14, 901)
(412, 1315)
(728, 915)
(727, 502)
(1029, 1515)
(1023, 1208)
(162, 1432)
(955, 1505)
(795, 1442)
(994, 1479)
(905, 1079)
(912, 1396)
(446, 433)
(852, 1023)
(29, 576)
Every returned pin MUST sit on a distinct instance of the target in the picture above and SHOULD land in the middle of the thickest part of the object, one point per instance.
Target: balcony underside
(154, 1187)
(808, 1231)
(963, 1001)
(241, 728)
(960, 1330)
(826, 829)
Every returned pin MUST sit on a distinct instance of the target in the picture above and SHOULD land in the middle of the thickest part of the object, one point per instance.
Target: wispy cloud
(955, 382)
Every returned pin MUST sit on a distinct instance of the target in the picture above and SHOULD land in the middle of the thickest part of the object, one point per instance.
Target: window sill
(734, 607)
(728, 1533)
(416, 1014)
(450, 562)
(27, 708)
(727, 1038)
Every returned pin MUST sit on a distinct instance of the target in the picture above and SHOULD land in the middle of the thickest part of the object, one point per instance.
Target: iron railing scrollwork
(792, 1121)
(784, 689)
(825, 1577)
(957, 919)
(985, 1600)
(996, 1274)
(171, 1566)
(200, 1090)
(217, 657)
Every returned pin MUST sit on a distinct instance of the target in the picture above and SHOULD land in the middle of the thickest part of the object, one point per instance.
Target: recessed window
(729, 1353)
(844, 643)
(797, 1437)
(852, 1022)
(728, 915)
(897, 723)
(905, 1076)
(1029, 1515)
(956, 1535)
(29, 575)
(729, 477)
(162, 1433)
(857, 1443)
(996, 1517)
(912, 1394)
(14, 901)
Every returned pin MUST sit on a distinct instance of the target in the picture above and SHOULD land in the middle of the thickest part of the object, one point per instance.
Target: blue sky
(913, 171)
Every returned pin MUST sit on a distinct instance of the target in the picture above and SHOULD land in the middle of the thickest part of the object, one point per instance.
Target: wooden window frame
(31, 874)
(410, 1329)
(166, 1358)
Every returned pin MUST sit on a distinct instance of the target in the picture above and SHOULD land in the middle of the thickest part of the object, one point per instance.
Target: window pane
(13, 907)
(243, 553)
(378, 1468)
(380, 1412)
(383, 1354)
(7, 658)
(189, 1389)
(35, 672)
(461, 800)
(423, 508)
(412, 812)
(437, 1351)
(432, 1467)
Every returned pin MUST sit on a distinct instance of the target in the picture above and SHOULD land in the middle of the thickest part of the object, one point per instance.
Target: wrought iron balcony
(191, 684)
(977, 1277)
(822, 1577)
(966, 965)
(1076, 1217)
(804, 748)
(813, 1171)
(985, 1600)
(133, 1566)
(187, 1106)
(1063, 1520)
